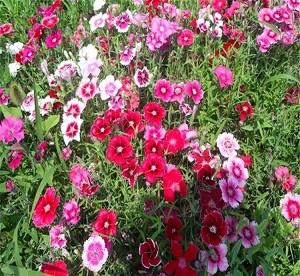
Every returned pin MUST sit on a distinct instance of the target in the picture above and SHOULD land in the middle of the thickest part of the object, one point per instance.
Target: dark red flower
(211, 200)
(100, 129)
(153, 146)
(213, 228)
(173, 183)
(113, 115)
(154, 113)
(245, 109)
(247, 160)
(132, 123)
(41, 151)
(57, 268)
(119, 149)
(105, 223)
(173, 141)
(293, 95)
(154, 167)
(181, 265)
(131, 170)
(149, 251)
(205, 175)
(45, 209)
(201, 159)
(173, 229)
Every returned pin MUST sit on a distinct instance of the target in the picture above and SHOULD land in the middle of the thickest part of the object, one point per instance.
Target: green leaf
(38, 118)
(235, 251)
(284, 77)
(11, 111)
(47, 179)
(16, 93)
(19, 271)
(16, 246)
(247, 128)
(50, 122)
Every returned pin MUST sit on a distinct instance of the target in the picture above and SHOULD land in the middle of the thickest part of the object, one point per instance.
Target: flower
(54, 39)
(71, 212)
(259, 271)
(131, 123)
(15, 158)
(127, 55)
(224, 76)
(119, 149)
(90, 67)
(185, 38)
(98, 21)
(9, 185)
(66, 70)
(155, 133)
(94, 253)
(14, 68)
(100, 129)
(194, 90)
(149, 252)
(142, 77)
(131, 170)
(181, 265)
(105, 223)
(178, 92)
(173, 183)
(57, 268)
(109, 87)
(213, 228)
(219, 5)
(217, 259)
(236, 169)
(87, 89)
(5, 29)
(293, 95)
(163, 90)
(73, 109)
(227, 144)
(123, 21)
(98, 4)
(154, 167)
(50, 22)
(249, 235)
(290, 183)
(46, 105)
(153, 146)
(231, 223)
(231, 192)
(281, 173)
(57, 238)
(11, 130)
(4, 99)
(173, 141)
(154, 113)
(211, 200)
(70, 129)
(245, 109)
(290, 208)
(45, 210)
(173, 229)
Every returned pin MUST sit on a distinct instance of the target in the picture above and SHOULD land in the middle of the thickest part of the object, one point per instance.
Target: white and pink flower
(142, 77)
(127, 55)
(57, 238)
(46, 105)
(231, 192)
(227, 144)
(66, 70)
(290, 208)
(236, 169)
(249, 236)
(87, 89)
(71, 212)
(98, 21)
(73, 108)
(217, 259)
(70, 129)
(109, 87)
(123, 21)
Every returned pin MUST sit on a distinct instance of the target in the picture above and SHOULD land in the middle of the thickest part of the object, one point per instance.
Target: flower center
(153, 168)
(194, 91)
(293, 208)
(213, 229)
(119, 149)
(247, 233)
(177, 91)
(237, 171)
(47, 208)
(106, 225)
(245, 108)
(182, 263)
(102, 129)
(154, 113)
(163, 90)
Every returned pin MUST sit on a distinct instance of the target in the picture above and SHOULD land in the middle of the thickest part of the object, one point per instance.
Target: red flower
(211, 200)
(149, 253)
(153, 146)
(154, 113)
(247, 160)
(173, 229)
(131, 170)
(181, 265)
(245, 109)
(5, 29)
(119, 149)
(293, 95)
(15, 158)
(132, 123)
(173, 141)
(45, 209)
(50, 21)
(105, 223)
(154, 167)
(57, 268)
(174, 183)
(214, 228)
(113, 115)
(205, 175)
(100, 129)
(201, 159)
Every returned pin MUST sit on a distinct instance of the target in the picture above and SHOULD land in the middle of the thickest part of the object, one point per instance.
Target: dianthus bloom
(236, 169)
(163, 90)
(45, 209)
(57, 238)
(9, 185)
(281, 173)
(173, 141)
(185, 38)
(224, 75)
(71, 212)
(95, 253)
(245, 109)
(249, 235)
(105, 223)
(11, 130)
(231, 192)
(194, 90)
(57, 268)
(217, 259)
(290, 208)
(100, 129)
(109, 87)
(227, 144)
(154, 167)
(231, 223)
(66, 70)
(142, 77)
(154, 113)
(173, 183)
(54, 39)
(149, 252)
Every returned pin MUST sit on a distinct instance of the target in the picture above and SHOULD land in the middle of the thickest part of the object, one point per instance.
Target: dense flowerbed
(150, 137)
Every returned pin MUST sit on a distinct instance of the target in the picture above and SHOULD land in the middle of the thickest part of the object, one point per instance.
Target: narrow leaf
(16, 93)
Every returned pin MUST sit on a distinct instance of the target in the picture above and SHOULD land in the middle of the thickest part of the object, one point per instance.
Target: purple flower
(231, 192)
(217, 259)
(249, 235)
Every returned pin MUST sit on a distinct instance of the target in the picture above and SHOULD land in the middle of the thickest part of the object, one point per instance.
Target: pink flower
(224, 75)
(249, 235)
(263, 43)
(231, 223)
(57, 238)
(154, 132)
(11, 130)
(219, 5)
(9, 185)
(73, 109)
(79, 175)
(272, 36)
(50, 21)
(281, 173)
(163, 90)
(66, 153)
(94, 254)
(227, 144)
(290, 208)
(290, 183)
(154, 41)
(127, 55)
(90, 67)
(123, 21)
(178, 92)
(70, 129)
(87, 89)
(185, 38)
(71, 212)
(66, 70)
(27, 54)
(4, 99)
(54, 39)
(217, 259)
(293, 4)
(109, 87)
(231, 192)
(142, 77)
(194, 90)
(98, 21)
(5, 29)
(162, 27)
(15, 158)
(186, 109)
(259, 271)
(265, 15)
(236, 168)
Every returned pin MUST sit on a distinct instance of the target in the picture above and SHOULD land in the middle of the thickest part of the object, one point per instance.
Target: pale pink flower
(109, 87)
(154, 132)
(203, 25)
(231, 223)
(46, 105)
(281, 173)
(73, 108)
(217, 259)
(71, 212)
(162, 27)
(231, 192)
(193, 89)
(94, 254)
(249, 236)
(116, 103)
(70, 129)
(186, 109)
(288, 38)
(163, 90)
(127, 55)
(290, 208)
(236, 169)
(224, 75)
(178, 92)
(154, 41)
(52, 81)
(142, 77)
(87, 89)
(57, 238)
(66, 70)
(11, 130)
(66, 153)
(227, 144)
(98, 21)
(123, 21)
(90, 67)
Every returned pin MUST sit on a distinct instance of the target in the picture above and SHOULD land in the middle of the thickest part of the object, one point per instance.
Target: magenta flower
(231, 223)
(217, 259)
(11, 130)
(231, 192)
(249, 235)
(15, 158)
(154, 132)
(178, 92)
(163, 90)
(9, 185)
(71, 212)
(142, 77)
(194, 90)
(281, 173)
(185, 38)
(4, 99)
(224, 76)
(236, 168)
(54, 39)
(57, 238)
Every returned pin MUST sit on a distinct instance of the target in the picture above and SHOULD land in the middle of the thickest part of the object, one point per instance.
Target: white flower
(28, 102)
(66, 70)
(14, 48)
(70, 129)
(98, 4)
(46, 105)
(13, 68)
(98, 21)
(88, 52)
(73, 108)
(109, 87)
